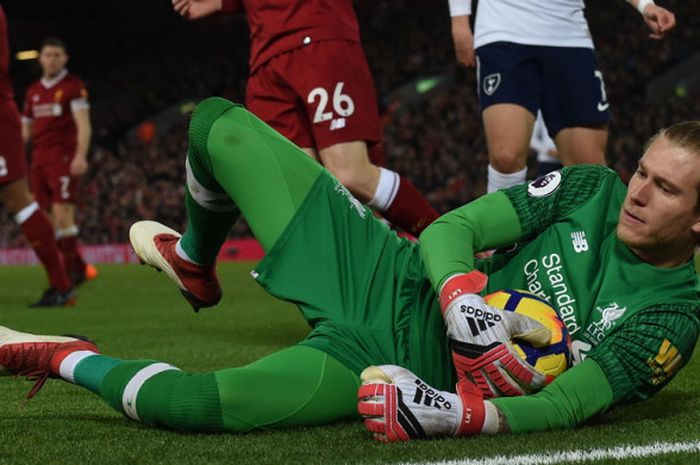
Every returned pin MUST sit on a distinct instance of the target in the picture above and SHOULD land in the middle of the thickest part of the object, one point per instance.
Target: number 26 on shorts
(342, 103)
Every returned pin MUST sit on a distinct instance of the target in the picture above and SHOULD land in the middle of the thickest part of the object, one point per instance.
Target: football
(552, 359)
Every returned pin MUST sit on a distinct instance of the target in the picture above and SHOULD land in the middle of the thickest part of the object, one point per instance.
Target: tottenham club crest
(544, 185)
(491, 83)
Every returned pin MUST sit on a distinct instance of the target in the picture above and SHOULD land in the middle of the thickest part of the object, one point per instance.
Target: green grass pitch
(134, 312)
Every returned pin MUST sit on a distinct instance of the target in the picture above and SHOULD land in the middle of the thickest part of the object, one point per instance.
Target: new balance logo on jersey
(578, 240)
(338, 123)
(478, 319)
(491, 83)
(429, 397)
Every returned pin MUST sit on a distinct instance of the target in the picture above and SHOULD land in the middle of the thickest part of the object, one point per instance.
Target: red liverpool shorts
(51, 182)
(318, 95)
(13, 164)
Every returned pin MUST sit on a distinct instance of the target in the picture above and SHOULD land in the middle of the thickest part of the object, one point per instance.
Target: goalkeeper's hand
(399, 406)
(480, 337)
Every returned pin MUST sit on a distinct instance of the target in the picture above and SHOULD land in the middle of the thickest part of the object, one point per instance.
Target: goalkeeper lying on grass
(585, 242)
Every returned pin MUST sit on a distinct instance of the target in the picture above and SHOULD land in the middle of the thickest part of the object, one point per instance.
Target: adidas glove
(480, 338)
(398, 406)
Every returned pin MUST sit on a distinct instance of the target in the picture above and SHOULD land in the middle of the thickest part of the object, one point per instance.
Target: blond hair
(684, 135)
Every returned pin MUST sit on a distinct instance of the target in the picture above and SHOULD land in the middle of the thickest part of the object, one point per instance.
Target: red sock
(39, 233)
(71, 255)
(410, 210)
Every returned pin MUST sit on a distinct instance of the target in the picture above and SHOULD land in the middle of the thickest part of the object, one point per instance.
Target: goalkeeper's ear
(528, 329)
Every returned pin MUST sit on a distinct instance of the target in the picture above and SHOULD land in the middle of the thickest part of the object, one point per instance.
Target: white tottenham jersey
(557, 23)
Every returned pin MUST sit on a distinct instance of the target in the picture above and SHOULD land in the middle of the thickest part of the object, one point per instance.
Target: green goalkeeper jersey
(638, 322)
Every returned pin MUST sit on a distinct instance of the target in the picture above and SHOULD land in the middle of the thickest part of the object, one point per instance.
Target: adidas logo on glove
(478, 319)
(428, 396)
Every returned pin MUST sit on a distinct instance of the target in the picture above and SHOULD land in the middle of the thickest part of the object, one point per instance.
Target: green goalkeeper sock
(148, 391)
(210, 212)
(88, 370)
(159, 394)
(207, 228)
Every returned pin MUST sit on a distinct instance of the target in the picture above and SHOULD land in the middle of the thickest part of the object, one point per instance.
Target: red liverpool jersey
(49, 106)
(277, 26)
(5, 83)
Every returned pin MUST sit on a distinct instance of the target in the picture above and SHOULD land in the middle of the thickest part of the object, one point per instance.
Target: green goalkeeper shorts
(362, 289)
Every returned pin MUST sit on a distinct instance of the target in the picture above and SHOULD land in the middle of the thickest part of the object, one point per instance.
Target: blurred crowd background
(145, 68)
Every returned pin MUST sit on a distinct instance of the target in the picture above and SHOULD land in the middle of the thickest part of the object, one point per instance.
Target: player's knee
(507, 161)
(63, 219)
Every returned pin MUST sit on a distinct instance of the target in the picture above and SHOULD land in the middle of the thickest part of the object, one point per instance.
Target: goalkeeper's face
(660, 218)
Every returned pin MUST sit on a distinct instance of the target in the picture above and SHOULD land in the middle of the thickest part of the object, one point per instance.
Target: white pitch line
(576, 456)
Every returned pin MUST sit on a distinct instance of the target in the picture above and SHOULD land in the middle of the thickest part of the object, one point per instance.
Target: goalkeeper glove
(399, 406)
(480, 338)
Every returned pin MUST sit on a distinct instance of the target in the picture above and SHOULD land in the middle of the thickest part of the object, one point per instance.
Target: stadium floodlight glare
(27, 55)
(425, 85)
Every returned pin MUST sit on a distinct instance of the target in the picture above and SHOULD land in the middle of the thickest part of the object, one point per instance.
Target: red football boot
(37, 357)
(155, 243)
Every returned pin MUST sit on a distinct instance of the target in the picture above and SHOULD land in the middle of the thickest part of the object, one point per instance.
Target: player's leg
(293, 387)
(509, 94)
(67, 238)
(236, 163)
(63, 189)
(296, 386)
(265, 175)
(338, 116)
(349, 163)
(582, 145)
(393, 195)
(508, 129)
(575, 106)
(39, 233)
(15, 195)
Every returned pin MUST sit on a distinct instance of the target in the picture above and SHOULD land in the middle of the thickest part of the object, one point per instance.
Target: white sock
(497, 180)
(182, 254)
(67, 368)
(24, 214)
(386, 191)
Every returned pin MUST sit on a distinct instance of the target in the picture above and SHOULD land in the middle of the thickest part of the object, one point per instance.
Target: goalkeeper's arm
(449, 243)
(631, 364)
